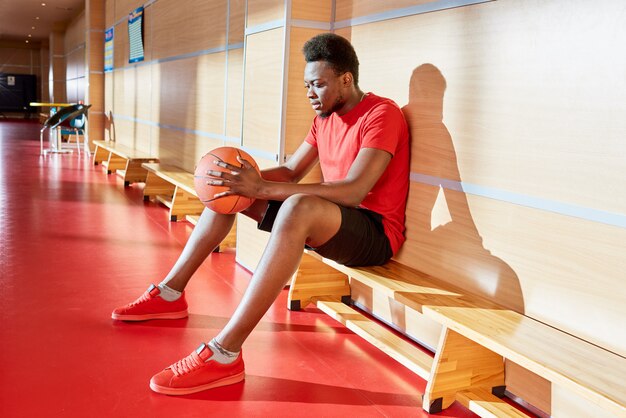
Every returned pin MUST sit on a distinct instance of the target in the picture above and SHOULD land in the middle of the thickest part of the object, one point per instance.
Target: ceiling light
(27, 41)
(32, 27)
(30, 36)
(37, 18)
(43, 4)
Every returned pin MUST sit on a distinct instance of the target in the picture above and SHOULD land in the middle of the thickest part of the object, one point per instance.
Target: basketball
(206, 192)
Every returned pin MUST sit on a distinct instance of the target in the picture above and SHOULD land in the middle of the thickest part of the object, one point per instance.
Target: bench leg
(184, 204)
(461, 364)
(115, 163)
(155, 186)
(316, 279)
(100, 155)
(135, 173)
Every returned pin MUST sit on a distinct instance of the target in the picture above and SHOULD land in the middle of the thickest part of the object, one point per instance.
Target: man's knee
(301, 204)
(304, 208)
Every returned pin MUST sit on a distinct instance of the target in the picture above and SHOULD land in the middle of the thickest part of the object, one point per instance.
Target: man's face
(325, 89)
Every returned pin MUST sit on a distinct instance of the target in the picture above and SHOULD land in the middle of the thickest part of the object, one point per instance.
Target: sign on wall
(108, 49)
(135, 35)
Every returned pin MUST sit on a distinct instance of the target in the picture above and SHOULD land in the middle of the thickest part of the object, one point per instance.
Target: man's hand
(242, 181)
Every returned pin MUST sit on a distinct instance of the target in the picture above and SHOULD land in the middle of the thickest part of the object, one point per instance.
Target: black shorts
(360, 241)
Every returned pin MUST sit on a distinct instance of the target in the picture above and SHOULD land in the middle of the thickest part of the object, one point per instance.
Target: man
(355, 216)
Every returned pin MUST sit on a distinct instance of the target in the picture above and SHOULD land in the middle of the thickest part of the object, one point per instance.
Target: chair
(74, 124)
(68, 113)
(77, 127)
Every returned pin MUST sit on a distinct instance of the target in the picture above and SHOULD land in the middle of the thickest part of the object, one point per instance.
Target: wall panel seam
(561, 208)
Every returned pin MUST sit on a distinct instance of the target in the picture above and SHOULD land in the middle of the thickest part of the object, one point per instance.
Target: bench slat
(124, 151)
(174, 175)
(402, 351)
(486, 405)
(410, 287)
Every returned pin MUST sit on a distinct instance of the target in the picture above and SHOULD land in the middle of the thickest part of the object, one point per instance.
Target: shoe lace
(143, 298)
(187, 364)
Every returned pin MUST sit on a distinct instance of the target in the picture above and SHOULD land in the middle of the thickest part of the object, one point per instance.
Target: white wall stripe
(274, 24)
(590, 214)
(407, 11)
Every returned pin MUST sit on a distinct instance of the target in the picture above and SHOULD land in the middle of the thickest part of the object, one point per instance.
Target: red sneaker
(152, 306)
(194, 374)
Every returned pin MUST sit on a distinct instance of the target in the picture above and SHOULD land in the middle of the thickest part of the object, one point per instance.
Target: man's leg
(301, 220)
(167, 300)
(210, 230)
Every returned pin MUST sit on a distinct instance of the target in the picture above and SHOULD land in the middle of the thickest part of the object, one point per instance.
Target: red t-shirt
(376, 122)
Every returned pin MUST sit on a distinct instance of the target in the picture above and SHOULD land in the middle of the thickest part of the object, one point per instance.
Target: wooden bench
(123, 160)
(174, 187)
(477, 336)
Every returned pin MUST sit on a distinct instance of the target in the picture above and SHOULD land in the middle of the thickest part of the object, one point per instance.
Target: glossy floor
(74, 244)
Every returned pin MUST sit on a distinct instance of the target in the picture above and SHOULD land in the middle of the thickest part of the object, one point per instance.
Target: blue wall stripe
(407, 11)
(561, 208)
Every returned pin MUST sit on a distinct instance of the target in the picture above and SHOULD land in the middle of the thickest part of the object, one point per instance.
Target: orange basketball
(206, 192)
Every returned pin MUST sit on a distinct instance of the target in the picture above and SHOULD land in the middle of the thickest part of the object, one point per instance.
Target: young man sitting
(355, 216)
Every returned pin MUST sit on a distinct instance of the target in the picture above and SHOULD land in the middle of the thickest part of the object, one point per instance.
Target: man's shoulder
(381, 102)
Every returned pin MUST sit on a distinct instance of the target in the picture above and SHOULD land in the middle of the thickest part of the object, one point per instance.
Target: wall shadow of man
(442, 238)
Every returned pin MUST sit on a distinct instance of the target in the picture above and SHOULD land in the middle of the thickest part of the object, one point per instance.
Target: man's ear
(347, 79)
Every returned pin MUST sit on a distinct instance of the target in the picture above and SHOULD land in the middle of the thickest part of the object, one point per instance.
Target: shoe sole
(230, 380)
(146, 317)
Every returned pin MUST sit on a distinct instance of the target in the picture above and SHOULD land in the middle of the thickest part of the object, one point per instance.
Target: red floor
(74, 244)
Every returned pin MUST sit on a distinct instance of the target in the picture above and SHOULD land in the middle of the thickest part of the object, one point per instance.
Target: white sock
(220, 354)
(168, 293)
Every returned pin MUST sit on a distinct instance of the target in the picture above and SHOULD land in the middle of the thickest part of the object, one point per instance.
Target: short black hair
(335, 50)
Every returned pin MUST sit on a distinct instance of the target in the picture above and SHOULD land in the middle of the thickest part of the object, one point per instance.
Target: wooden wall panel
(96, 45)
(109, 13)
(124, 7)
(234, 93)
(250, 240)
(75, 32)
(535, 390)
(177, 98)
(180, 148)
(142, 106)
(523, 258)
(97, 124)
(120, 98)
(263, 11)
(191, 94)
(320, 10)
(349, 9)
(299, 111)
(236, 22)
(405, 319)
(120, 45)
(108, 91)
(181, 30)
(16, 58)
(263, 91)
(210, 93)
(515, 121)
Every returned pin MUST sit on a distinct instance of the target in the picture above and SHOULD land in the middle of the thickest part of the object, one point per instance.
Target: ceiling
(18, 17)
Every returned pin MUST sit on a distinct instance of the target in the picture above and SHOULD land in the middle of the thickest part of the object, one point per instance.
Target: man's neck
(356, 96)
